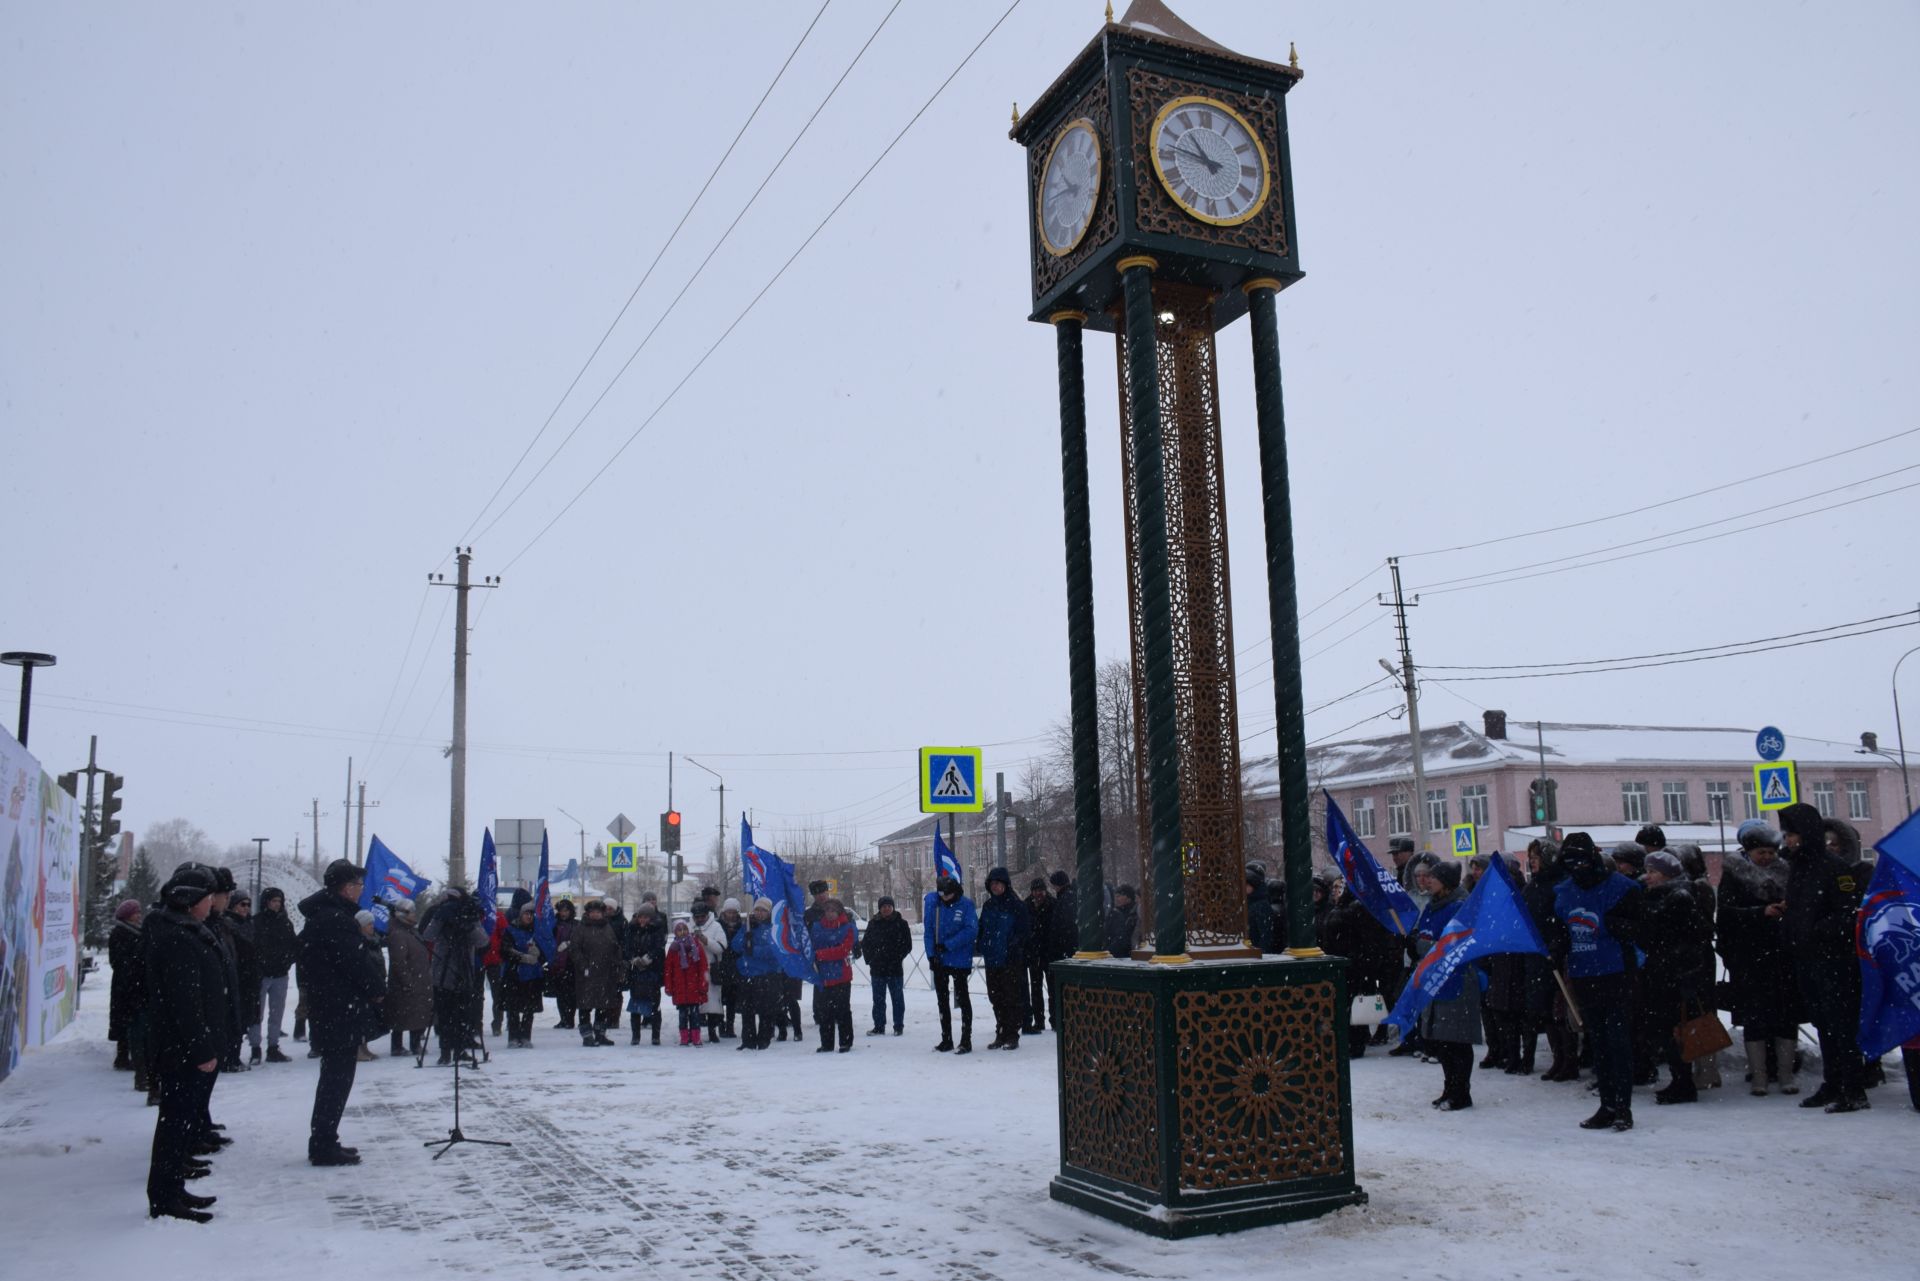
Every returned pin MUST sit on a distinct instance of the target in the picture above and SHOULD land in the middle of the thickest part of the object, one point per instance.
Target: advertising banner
(40, 906)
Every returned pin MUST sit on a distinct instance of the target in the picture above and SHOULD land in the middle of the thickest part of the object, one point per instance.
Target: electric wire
(1665, 653)
(648, 274)
(762, 293)
(1675, 662)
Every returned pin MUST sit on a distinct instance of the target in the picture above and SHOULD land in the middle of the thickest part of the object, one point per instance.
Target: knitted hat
(1631, 853)
(128, 909)
(885, 901)
(403, 906)
(763, 905)
(1667, 865)
(240, 898)
(1756, 832)
(363, 916)
(1038, 883)
(1445, 871)
(1061, 879)
(1651, 837)
(341, 873)
(731, 905)
(702, 908)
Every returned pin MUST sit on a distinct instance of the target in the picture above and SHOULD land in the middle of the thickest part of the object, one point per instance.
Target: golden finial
(1293, 56)
(1109, 12)
(1016, 113)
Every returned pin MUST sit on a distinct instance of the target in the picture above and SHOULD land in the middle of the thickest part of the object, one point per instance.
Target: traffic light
(110, 803)
(1544, 793)
(670, 833)
(676, 866)
(70, 783)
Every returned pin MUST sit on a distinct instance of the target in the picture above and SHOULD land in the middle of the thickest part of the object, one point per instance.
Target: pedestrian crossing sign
(1466, 842)
(622, 856)
(950, 780)
(1776, 785)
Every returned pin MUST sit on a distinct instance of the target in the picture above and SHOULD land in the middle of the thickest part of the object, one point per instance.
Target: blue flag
(388, 879)
(1887, 938)
(1492, 922)
(486, 887)
(753, 864)
(543, 921)
(1378, 890)
(791, 941)
(944, 862)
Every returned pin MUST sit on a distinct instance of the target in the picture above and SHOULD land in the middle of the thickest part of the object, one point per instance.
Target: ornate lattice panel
(1111, 1090)
(1258, 1086)
(1209, 720)
(1049, 270)
(1154, 210)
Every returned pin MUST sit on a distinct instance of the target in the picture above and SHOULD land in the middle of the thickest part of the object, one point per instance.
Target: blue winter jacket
(754, 946)
(1005, 923)
(947, 931)
(524, 941)
(1594, 950)
(834, 947)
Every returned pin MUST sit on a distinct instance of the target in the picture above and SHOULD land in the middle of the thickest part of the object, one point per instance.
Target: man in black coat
(1823, 896)
(1123, 922)
(274, 947)
(210, 1136)
(887, 945)
(1040, 953)
(1259, 910)
(345, 985)
(1063, 938)
(184, 979)
(246, 957)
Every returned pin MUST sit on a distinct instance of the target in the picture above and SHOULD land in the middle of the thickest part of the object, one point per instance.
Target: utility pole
(346, 817)
(1000, 819)
(89, 857)
(719, 870)
(259, 857)
(360, 825)
(1408, 684)
(316, 816)
(457, 818)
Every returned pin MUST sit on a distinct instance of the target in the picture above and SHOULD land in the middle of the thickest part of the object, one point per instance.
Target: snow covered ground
(893, 1161)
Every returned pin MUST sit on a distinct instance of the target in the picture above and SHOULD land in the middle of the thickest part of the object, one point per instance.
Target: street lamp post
(721, 854)
(259, 857)
(583, 844)
(26, 661)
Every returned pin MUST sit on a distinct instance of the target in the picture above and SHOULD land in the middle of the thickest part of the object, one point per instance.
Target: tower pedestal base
(1203, 1098)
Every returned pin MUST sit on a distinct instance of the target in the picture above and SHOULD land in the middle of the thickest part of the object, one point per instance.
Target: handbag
(1702, 1035)
(1368, 1011)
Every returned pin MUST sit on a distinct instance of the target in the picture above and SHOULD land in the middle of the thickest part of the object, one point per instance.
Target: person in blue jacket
(1595, 912)
(948, 927)
(759, 972)
(1005, 924)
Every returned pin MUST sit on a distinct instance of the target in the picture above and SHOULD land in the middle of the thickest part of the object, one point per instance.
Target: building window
(1399, 815)
(1473, 804)
(1857, 805)
(1363, 816)
(1633, 802)
(1673, 803)
(1719, 802)
(1823, 799)
(1436, 809)
(1547, 811)
(1273, 831)
(1749, 801)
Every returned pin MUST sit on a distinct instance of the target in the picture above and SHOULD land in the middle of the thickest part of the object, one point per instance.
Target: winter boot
(695, 1033)
(395, 1046)
(1851, 1101)
(140, 1080)
(635, 1022)
(1601, 1120)
(966, 1043)
(654, 1023)
(1783, 1051)
(1757, 1068)
(122, 1057)
(946, 1036)
(726, 1032)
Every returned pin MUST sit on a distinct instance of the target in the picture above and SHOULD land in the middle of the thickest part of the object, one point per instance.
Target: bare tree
(176, 841)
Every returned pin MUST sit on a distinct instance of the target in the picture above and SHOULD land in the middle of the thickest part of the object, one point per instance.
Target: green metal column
(1081, 661)
(1156, 611)
(1283, 605)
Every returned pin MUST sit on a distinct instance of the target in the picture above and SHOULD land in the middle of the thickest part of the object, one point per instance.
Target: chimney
(1496, 725)
(1869, 741)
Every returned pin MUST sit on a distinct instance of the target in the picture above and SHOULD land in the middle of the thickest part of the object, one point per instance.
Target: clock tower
(1202, 1088)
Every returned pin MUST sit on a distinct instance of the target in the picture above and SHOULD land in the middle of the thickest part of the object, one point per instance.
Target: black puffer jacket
(186, 992)
(274, 942)
(1823, 894)
(1373, 951)
(889, 942)
(1754, 945)
(124, 946)
(1040, 937)
(246, 960)
(1123, 928)
(344, 980)
(1679, 950)
(1063, 929)
(645, 951)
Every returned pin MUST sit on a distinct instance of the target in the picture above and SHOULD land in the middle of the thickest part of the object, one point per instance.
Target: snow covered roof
(987, 820)
(1461, 748)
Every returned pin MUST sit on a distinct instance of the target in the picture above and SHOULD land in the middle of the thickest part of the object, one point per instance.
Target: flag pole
(1573, 1006)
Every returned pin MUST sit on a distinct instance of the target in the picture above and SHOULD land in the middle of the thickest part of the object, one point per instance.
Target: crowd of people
(1630, 975)
(200, 981)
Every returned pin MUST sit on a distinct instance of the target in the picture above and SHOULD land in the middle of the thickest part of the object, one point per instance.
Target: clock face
(1069, 186)
(1210, 161)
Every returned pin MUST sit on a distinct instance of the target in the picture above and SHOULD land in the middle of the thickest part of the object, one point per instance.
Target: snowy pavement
(893, 1161)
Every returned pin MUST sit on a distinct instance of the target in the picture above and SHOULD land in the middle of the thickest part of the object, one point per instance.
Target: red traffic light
(673, 818)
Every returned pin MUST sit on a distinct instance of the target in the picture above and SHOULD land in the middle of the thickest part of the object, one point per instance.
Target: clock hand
(1213, 166)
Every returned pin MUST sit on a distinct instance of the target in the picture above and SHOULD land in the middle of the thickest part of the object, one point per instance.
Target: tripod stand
(470, 1052)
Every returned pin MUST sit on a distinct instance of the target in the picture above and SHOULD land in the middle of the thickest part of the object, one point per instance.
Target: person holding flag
(1887, 942)
(1449, 1023)
(389, 880)
(949, 925)
(1596, 912)
(1821, 914)
(525, 962)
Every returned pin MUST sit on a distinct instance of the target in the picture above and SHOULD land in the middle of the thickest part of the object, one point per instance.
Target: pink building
(1697, 784)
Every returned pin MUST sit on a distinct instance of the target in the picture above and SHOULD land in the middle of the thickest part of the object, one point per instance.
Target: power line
(1316, 609)
(1674, 662)
(1666, 502)
(647, 275)
(1668, 653)
(1687, 529)
(1705, 538)
(771, 281)
(697, 271)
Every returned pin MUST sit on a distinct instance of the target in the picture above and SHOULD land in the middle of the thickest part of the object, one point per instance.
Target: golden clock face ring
(1210, 160)
(1071, 177)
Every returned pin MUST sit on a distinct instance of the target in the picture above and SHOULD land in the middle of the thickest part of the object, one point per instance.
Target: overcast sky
(285, 291)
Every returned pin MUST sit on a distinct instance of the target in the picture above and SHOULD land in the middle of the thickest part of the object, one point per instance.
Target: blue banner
(791, 941)
(944, 862)
(1378, 890)
(1887, 939)
(1492, 922)
(388, 879)
(753, 864)
(543, 920)
(487, 885)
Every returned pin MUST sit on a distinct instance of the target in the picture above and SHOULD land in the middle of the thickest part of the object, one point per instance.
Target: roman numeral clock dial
(1210, 161)
(1069, 187)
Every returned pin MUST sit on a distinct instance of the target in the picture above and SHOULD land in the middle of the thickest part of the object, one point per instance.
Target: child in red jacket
(686, 980)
